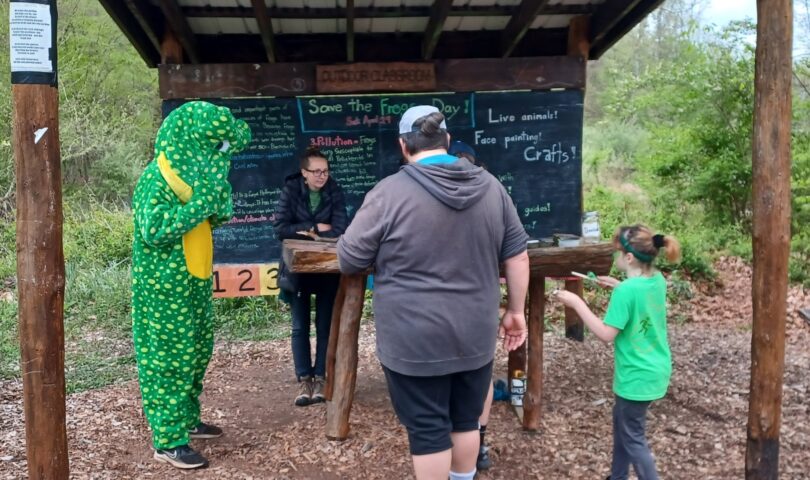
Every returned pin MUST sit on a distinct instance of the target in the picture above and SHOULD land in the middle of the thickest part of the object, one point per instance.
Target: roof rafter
(265, 29)
(519, 24)
(350, 12)
(438, 15)
(177, 22)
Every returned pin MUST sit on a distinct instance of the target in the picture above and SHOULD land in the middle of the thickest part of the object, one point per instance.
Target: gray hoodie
(435, 234)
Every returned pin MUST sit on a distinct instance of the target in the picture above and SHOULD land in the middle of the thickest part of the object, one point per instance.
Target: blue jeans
(630, 441)
(324, 287)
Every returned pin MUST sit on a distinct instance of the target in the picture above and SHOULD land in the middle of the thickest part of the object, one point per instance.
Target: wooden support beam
(178, 24)
(574, 328)
(771, 234)
(291, 79)
(265, 29)
(533, 398)
(438, 14)
(144, 14)
(171, 52)
(579, 43)
(339, 408)
(40, 278)
(607, 28)
(327, 48)
(519, 24)
(382, 12)
(334, 334)
(130, 27)
(350, 12)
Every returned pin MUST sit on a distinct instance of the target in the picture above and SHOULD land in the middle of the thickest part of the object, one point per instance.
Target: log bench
(303, 256)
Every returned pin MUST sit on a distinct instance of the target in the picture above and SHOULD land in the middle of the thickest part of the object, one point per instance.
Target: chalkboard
(531, 141)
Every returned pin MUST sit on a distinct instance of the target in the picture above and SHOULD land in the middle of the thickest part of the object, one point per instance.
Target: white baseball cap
(415, 113)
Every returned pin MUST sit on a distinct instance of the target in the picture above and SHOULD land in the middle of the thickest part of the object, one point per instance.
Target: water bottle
(590, 227)
(518, 388)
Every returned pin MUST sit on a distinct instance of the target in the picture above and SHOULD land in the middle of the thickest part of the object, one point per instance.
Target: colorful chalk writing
(530, 141)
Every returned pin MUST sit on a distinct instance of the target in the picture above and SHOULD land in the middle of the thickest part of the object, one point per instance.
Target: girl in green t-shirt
(636, 322)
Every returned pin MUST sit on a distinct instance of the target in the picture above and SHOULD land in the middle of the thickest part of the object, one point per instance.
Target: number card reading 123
(245, 280)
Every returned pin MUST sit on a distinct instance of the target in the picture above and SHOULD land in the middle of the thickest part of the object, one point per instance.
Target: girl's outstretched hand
(566, 298)
(513, 330)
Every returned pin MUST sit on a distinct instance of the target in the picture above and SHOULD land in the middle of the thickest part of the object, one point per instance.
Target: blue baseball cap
(458, 147)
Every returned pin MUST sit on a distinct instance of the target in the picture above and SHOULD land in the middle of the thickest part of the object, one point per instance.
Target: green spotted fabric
(172, 313)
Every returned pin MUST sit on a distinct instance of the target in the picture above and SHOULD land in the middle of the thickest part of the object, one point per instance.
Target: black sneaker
(181, 457)
(483, 462)
(203, 430)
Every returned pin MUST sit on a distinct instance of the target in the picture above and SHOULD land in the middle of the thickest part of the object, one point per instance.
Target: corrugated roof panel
(382, 24)
(552, 21)
(386, 3)
(298, 26)
(290, 3)
(495, 23)
(321, 3)
(223, 3)
(203, 26)
(412, 24)
(357, 3)
(362, 25)
(189, 3)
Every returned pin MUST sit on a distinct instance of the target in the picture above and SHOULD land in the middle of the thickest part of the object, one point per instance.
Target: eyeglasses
(318, 173)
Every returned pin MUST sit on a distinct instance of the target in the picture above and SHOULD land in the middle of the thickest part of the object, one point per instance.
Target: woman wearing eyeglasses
(311, 205)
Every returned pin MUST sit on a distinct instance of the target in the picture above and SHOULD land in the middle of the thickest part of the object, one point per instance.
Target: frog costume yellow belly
(179, 199)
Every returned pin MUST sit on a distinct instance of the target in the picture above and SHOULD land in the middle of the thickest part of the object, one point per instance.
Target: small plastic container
(590, 227)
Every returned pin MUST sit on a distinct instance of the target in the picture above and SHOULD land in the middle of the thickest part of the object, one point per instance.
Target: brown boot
(318, 384)
(304, 397)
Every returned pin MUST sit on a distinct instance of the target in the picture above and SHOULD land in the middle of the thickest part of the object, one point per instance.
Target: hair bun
(431, 124)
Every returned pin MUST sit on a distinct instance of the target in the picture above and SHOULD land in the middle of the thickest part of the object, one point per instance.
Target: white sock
(462, 476)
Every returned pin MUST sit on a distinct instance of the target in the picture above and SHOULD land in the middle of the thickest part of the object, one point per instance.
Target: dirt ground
(697, 431)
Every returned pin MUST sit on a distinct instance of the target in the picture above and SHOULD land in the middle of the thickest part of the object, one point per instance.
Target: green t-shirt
(638, 308)
(314, 200)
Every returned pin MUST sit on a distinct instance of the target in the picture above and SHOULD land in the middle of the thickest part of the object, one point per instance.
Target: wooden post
(339, 408)
(771, 234)
(40, 259)
(533, 398)
(574, 327)
(334, 333)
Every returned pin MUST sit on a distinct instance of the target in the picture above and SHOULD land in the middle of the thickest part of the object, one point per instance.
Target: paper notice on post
(31, 37)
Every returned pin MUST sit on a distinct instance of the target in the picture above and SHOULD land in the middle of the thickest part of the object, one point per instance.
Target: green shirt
(314, 200)
(643, 363)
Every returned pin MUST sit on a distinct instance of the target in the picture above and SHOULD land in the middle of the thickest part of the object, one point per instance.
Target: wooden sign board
(245, 280)
(375, 77)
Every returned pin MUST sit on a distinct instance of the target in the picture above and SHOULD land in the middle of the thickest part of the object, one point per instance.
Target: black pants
(324, 287)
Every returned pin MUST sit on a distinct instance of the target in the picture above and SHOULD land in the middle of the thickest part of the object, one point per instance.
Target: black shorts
(431, 408)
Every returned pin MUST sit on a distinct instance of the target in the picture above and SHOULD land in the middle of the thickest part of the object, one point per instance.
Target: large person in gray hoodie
(436, 233)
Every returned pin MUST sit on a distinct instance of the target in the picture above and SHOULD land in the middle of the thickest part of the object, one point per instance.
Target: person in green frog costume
(181, 196)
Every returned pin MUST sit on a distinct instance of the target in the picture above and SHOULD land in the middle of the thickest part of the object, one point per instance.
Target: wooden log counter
(341, 359)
